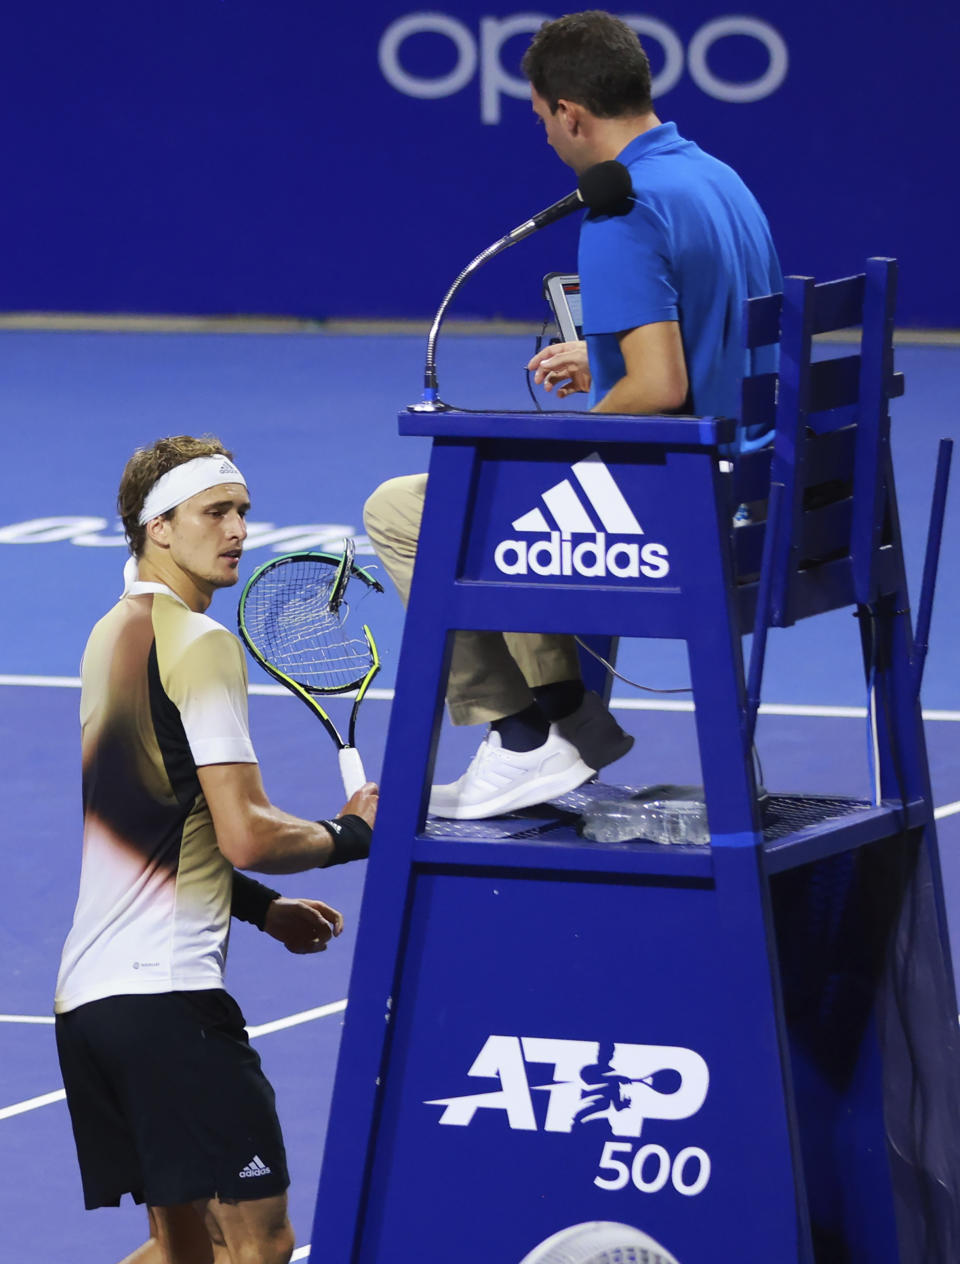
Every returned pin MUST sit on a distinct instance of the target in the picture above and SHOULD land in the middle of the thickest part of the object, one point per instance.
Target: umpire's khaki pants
(491, 673)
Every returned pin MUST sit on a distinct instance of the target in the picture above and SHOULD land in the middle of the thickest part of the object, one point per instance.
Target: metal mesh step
(783, 814)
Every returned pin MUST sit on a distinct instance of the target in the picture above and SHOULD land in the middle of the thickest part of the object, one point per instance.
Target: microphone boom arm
(430, 402)
(604, 187)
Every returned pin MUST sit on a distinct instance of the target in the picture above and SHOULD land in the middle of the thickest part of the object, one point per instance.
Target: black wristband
(351, 839)
(250, 900)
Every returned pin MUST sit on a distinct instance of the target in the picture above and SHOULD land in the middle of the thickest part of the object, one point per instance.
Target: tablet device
(562, 292)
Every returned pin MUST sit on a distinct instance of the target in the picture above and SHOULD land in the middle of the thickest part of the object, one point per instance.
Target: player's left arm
(300, 925)
(303, 925)
(655, 378)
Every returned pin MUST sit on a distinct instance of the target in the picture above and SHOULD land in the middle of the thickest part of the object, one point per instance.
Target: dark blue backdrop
(267, 156)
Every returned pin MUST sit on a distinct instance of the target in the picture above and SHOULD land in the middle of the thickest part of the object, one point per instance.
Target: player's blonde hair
(146, 466)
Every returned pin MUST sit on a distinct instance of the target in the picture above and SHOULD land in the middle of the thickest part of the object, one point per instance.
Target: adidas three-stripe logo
(567, 509)
(576, 507)
(256, 1167)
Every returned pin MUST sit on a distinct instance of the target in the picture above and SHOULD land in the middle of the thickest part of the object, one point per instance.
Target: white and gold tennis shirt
(164, 690)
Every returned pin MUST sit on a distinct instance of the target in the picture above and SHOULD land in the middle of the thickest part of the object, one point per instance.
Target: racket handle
(351, 770)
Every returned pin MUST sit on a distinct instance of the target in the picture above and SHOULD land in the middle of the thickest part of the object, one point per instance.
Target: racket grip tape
(351, 770)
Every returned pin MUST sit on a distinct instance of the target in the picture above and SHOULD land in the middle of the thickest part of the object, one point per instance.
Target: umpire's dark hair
(591, 58)
(146, 466)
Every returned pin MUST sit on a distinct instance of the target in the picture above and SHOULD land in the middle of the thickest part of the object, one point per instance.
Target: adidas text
(592, 558)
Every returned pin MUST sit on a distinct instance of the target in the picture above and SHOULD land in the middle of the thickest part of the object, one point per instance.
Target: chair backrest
(822, 542)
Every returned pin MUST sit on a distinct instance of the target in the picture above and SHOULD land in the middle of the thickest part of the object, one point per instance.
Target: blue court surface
(312, 421)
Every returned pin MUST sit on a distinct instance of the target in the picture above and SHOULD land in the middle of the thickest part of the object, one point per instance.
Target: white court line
(263, 1029)
(73, 682)
(305, 1016)
(622, 704)
(281, 691)
(948, 809)
(32, 1103)
(52, 682)
(769, 708)
(300, 1253)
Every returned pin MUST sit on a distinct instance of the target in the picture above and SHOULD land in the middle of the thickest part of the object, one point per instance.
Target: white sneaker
(595, 733)
(500, 781)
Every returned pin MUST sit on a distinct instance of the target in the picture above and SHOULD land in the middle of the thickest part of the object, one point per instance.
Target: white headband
(187, 480)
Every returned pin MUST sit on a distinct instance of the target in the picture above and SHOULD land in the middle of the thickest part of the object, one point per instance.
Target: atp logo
(597, 511)
(619, 1084)
(622, 1084)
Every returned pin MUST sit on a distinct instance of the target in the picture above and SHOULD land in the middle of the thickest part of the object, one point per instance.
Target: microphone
(603, 188)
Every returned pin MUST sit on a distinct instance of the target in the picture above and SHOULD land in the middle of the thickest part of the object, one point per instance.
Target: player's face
(206, 535)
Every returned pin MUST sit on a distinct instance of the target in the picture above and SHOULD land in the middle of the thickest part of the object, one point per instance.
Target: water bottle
(660, 820)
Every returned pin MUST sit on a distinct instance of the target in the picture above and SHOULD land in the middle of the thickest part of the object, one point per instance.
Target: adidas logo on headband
(187, 480)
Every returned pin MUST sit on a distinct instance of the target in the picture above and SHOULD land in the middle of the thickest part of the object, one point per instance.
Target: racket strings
(287, 616)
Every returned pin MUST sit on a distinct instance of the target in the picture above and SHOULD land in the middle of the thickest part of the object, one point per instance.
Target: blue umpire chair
(747, 1049)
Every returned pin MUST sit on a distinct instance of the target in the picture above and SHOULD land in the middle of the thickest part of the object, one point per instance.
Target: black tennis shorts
(168, 1101)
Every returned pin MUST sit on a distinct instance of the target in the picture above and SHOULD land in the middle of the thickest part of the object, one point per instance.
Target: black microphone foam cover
(605, 187)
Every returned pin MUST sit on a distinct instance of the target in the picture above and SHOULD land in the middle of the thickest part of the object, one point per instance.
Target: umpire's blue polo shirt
(692, 247)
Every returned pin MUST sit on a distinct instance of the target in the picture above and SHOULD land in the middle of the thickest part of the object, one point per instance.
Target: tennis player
(662, 287)
(167, 1099)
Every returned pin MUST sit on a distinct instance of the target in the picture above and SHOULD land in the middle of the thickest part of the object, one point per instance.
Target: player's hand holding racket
(293, 618)
(363, 803)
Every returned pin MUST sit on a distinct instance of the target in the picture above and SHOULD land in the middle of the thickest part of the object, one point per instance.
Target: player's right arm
(254, 834)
